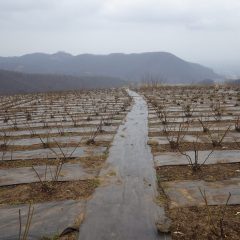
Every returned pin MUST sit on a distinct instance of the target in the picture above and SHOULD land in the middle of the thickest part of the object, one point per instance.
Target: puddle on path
(123, 207)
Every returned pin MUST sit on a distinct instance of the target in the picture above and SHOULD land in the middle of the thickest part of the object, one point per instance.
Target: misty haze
(119, 120)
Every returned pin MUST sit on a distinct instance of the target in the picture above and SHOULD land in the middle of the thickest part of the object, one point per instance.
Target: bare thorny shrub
(75, 118)
(28, 116)
(237, 124)
(44, 121)
(159, 107)
(217, 138)
(60, 128)
(23, 235)
(14, 121)
(4, 145)
(216, 226)
(45, 140)
(194, 160)
(175, 134)
(62, 157)
(188, 109)
(161, 112)
(217, 110)
(5, 140)
(205, 125)
(94, 133)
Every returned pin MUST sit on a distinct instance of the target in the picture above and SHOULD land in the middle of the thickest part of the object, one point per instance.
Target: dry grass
(193, 223)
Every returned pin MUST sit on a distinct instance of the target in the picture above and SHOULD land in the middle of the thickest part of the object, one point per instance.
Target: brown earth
(194, 223)
(56, 145)
(87, 162)
(188, 146)
(50, 191)
(210, 172)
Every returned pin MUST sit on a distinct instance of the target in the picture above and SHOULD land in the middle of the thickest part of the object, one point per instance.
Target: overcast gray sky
(205, 31)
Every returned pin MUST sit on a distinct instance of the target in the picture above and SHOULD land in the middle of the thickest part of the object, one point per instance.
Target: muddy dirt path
(123, 206)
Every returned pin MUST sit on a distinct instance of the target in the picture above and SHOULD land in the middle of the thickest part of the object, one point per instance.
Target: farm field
(154, 162)
(119, 120)
(52, 147)
(194, 134)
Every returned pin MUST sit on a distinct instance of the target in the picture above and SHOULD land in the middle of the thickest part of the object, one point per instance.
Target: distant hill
(206, 82)
(233, 82)
(132, 67)
(16, 82)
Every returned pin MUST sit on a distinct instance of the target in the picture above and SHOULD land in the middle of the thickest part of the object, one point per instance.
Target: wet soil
(188, 146)
(55, 145)
(50, 191)
(194, 223)
(87, 162)
(211, 172)
(52, 135)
